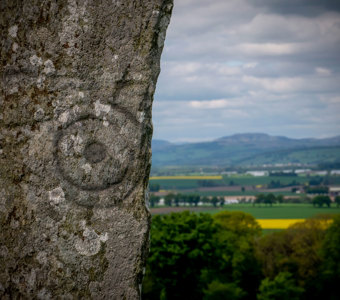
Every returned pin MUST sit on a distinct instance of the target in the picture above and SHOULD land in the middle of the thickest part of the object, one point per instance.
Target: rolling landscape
(249, 149)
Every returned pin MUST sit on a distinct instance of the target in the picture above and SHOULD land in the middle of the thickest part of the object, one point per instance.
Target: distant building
(335, 172)
(321, 173)
(334, 191)
(302, 171)
(258, 173)
(231, 201)
(229, 173)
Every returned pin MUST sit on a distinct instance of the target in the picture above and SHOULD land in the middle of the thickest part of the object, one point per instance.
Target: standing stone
(77, 83)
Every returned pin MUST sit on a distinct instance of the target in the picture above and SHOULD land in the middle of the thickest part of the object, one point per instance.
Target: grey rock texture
(77, 84)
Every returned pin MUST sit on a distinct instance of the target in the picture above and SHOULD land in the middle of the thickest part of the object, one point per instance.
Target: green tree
(280, 198)
(154, 200)
(196, 199)
(269, 199)
(214, 201)
(282, 287)
(221, 201)
(221, 291)
(320, 200)
(337, 201)
(199, 256)
(177, 199)
(331, 260)
(169, 198)
(205, 199)
(182, 246)
(235, 249)
(259, 198)
(295, 250)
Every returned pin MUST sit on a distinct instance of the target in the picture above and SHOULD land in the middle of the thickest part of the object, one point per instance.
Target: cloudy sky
(235, 66)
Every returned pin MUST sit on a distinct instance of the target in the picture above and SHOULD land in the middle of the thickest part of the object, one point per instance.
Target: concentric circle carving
(92, 154)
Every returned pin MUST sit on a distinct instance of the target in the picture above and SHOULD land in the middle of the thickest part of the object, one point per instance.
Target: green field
(277, 211)
(252, 180)
(281, 211)
(237, 180)
(239, 193)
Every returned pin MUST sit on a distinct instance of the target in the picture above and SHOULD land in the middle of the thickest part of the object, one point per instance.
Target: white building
(257, 173)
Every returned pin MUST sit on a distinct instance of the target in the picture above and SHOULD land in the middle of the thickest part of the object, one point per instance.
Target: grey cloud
(279, 70)
(297, 7)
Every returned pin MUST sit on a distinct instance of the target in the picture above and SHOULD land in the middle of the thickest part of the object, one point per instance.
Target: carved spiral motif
(92, 154)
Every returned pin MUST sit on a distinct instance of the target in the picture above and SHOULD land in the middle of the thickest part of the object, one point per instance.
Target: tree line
(266, 199)
(225, 256)
(186, 199)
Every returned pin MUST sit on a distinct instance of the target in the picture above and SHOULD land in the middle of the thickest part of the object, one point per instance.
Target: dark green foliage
(182, 246)
(282, 287)
(220, 291)
(331, 261)
(268, 199)
(154, 200)
(337, 201)
(321, 200)
(295, 250)
(194, 256)
(214, 201)
(224, 256)
(317, 190)
(169, 198)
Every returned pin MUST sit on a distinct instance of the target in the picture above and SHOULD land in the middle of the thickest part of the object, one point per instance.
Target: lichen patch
(49, 67)
(13, 30)
(36, 60)
(101, 108)
(56, 196)
(91, 242)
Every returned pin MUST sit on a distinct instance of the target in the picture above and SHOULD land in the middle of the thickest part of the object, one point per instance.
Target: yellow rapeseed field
(277, 223)
(215, 177)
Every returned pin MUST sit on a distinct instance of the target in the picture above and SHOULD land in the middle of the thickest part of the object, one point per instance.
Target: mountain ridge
(246, 147)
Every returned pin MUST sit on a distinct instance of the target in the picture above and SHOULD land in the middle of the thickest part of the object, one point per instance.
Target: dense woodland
(226, 256)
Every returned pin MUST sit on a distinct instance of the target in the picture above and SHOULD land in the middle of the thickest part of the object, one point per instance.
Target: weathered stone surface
(77, 83)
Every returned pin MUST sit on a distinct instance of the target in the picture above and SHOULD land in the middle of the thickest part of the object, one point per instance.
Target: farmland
(183, 182)
(280, 211)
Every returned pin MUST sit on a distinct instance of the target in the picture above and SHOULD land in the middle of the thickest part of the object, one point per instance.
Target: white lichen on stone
(141, 116)
(40, 82)
(91, 242)
(105, 122)
(44, 294)
(42, 257)
(49, 67)
(99, 108)
(36, 60)
(63, 118)
(87, 168)
(71, 26)
(13, 30)
(56, 196)
(77, 143)
(15, 47)
(137, 76)
(13, 90)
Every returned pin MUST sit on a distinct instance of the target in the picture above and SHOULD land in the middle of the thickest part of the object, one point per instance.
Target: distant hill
(247, 149)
